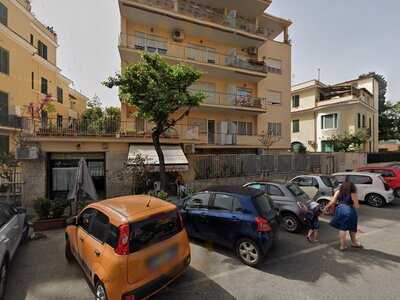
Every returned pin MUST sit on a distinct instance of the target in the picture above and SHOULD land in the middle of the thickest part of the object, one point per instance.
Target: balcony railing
(233, 100)
(202, 12)
(13, 121)
(191, 53)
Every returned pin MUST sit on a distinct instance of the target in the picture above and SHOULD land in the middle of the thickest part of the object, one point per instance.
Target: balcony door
(211, 131)
(3, 108)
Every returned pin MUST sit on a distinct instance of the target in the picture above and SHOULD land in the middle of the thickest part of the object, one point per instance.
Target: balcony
(12, 122)
(204, 59)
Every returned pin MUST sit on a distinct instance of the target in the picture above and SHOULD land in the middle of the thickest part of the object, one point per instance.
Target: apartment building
(320, 111)
(244, 55)
(29, 73)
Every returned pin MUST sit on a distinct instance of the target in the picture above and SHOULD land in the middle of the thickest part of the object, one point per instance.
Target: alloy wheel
(375, 200)
(100, 292)
(248, 252)
(290, 223)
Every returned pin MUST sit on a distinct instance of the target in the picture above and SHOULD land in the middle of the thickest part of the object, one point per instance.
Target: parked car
(238, 218)
(13, 230)
(390, 174)
(371, 187)
(320, 188)
(128, 247)
(291, 202)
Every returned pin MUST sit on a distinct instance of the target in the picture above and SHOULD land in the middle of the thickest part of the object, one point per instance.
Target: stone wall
(34, 179)
(117, 183)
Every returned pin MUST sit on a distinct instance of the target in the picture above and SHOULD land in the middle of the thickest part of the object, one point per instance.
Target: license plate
(162, 258)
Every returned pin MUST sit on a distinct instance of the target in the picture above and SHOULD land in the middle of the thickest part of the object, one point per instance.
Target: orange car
(129, 247)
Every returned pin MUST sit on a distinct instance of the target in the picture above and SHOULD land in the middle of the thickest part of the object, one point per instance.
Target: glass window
(296, 101)
(223, 202)
(237, 206)
(3, 14)
(42, 50)
(44, 88)
(60, 95)
(340, 178)
(304, 181)
(154, 230)
(274, 97)
(296, 126)
(100, 226)
(387, 173)
(358, 120)
(329, 181)
(85, 219)
(263, 204)
(274, 65)
(329, 121)
(7, 210)
(357, 179)
(257, 186)
(198, 201)
(4, 61)
(295, 190)
(274, 190)
(275, 129)
(59, 121)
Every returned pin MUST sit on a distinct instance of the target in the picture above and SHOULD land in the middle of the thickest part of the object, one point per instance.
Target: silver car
(291, 202)
(13, 229)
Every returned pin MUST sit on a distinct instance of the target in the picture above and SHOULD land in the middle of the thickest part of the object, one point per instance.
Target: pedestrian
(345, 218)
(312, 221)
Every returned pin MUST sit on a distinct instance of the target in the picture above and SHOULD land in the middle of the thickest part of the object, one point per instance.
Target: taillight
(123, 240)
(263, 225)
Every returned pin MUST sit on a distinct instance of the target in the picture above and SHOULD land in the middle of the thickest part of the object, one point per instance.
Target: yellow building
(245, 57)
(29, 72)
(320, 111)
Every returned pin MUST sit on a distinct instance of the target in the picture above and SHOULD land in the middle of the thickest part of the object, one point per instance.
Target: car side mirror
(72, 221)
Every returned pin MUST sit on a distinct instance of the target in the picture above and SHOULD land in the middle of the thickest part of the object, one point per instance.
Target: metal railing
(13, 121)
(191, 53)
(202, 12)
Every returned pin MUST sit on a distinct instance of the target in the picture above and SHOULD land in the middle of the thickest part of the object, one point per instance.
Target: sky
(342, 38)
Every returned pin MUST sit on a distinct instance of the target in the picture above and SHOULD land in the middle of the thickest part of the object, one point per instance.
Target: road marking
(279, 259)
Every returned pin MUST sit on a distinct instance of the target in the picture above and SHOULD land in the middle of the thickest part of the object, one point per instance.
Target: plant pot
(50, 224)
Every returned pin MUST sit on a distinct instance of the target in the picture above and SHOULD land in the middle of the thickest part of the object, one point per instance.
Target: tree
(36, 110)
(268, 138)
(349, 142)
(160, 93)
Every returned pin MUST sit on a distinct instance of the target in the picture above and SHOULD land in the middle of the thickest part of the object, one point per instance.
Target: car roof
(270, 182)
(377, 167)
(357, 173)
(129, 209)
(234, 189)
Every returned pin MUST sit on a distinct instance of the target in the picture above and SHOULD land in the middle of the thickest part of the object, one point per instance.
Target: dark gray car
(291, 202)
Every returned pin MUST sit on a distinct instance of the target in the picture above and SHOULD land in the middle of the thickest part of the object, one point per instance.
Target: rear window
(156, 229)
(295, 190)
(330, 181)
(358, 179)
(263, 204)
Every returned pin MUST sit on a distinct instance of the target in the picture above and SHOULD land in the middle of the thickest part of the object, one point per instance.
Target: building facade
(244, 55)
(29, 74)
(320, 111)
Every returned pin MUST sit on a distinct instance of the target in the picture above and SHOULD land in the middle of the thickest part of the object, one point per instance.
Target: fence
(11, 185)
(383, 157)
(277, 164)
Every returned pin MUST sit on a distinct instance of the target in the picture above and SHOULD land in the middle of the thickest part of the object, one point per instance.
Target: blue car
(242, 219)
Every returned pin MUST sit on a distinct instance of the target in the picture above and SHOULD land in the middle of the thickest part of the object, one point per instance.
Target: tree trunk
(157, 146)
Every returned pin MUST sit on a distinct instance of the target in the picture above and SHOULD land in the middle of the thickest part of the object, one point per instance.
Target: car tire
(100, 291)
(248, 252)
(323, 203)
(397, 193)
(3, 279)
(291, 223)
(375, 200)
(68, 252)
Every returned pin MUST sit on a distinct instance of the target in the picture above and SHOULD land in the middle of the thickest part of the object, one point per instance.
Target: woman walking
(346, 217)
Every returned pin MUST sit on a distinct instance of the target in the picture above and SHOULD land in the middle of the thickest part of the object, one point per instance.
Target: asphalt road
(294, 269)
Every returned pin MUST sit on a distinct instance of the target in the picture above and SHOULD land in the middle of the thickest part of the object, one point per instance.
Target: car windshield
(264, 204)
(295, 190)
(330, 181)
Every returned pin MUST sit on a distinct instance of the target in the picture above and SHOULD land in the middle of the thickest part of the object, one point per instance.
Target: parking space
(294, 269)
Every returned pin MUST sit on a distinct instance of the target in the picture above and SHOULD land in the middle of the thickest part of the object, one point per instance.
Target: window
(274, 97)
(296, 101)
(264, 204)
(4, 144)
(296, 126)
(44, 88)
(257, 186)
(363, 121)
(150, 43)
(42, 49)
(275, 129)
(4, 61)
(198, 201)
(3, 14)
(223, 202)
(31, 40)
(100, 226)
(59, 121)
(340, 178)
(33, 80)
(154, 230)
(274, 190)
(357, 179)
(295, 190)
(329, 181)
(237, 206)
(358, 120)
(329, 121)
(305, 181)
(60, 95)
(327, 146)
(274, 66)
(370, 123)
(245, 128)
(85, 219)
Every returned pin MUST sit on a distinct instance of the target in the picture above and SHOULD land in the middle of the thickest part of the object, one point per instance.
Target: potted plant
(50, 214)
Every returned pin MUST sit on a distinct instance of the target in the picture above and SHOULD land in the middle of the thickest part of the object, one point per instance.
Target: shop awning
(175, 159)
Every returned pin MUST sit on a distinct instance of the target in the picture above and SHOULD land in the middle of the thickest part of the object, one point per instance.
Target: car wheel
(290, 223)
(3, 279)
(375, 200)
(248, 252)
(323, 203)
(100, 291)
(68, 252)
(397, 193)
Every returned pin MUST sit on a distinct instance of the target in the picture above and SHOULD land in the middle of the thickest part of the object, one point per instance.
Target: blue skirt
(345, 218)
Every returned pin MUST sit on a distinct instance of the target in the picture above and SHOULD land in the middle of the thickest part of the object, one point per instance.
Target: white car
(371, 187)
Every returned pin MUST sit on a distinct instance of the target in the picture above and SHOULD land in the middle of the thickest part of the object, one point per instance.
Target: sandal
(359, 246)
(309, 239)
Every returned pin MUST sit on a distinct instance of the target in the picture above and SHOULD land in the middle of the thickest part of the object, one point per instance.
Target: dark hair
(347, 188)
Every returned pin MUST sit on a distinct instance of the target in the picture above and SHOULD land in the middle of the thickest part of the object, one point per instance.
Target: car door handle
(97, 252)
(82, 239)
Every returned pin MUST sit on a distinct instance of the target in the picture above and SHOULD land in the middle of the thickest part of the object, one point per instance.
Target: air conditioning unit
(252, 51)
(178, 35)
(189, 148)
(27, 153)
